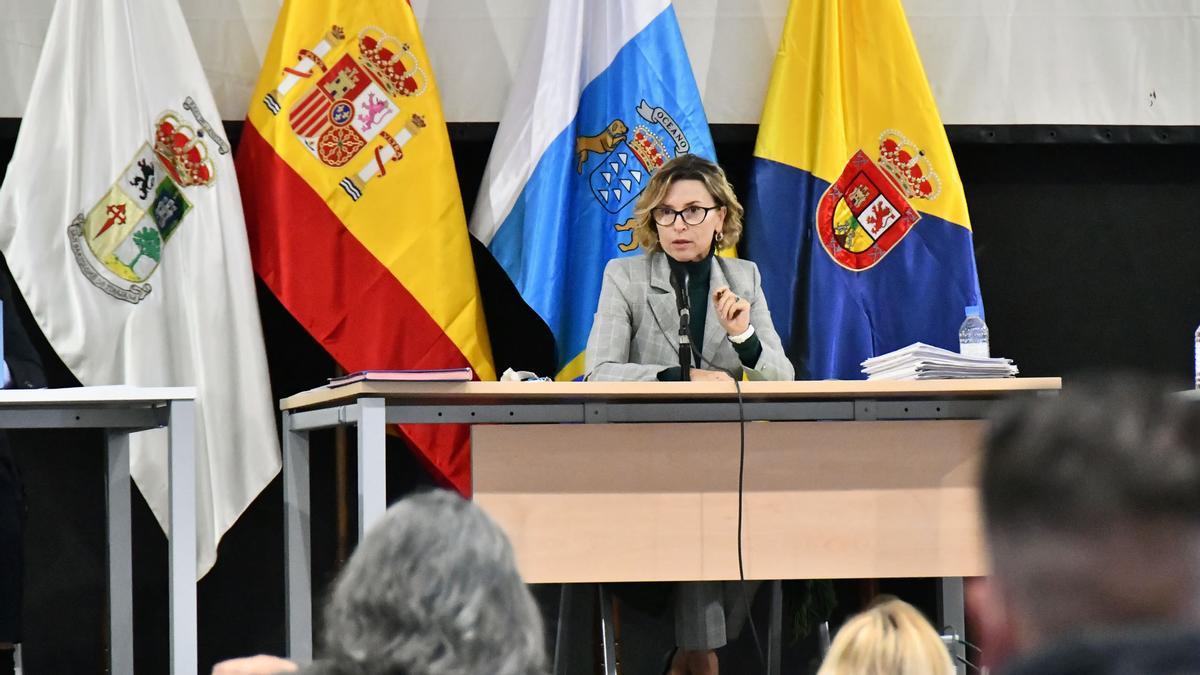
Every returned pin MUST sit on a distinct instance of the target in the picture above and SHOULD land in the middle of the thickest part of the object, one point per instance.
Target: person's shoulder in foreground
(1147, 650)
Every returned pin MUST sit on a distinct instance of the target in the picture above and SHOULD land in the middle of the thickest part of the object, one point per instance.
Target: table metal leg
(120, 556)
(297, 541)
(775, 629)
(181, 453)
(372, 462)
(607, 637)
(952, 616)
(561, 632)
(572, 643)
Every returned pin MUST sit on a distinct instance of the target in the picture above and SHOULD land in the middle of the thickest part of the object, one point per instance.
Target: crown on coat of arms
(391, 62)
(908, 166)
(182, 152)
(649, 148)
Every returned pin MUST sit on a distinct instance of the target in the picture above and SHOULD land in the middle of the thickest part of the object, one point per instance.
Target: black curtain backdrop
(1086, 246)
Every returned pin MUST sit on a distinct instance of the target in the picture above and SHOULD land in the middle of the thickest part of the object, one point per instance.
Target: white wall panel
(1103, 62)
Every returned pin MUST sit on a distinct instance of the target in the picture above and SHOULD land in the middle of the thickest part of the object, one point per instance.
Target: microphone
(679, 279)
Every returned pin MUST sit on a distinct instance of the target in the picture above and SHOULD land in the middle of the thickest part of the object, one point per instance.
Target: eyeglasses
(692, 215)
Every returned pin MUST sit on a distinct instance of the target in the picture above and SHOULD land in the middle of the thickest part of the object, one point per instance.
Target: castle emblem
(354, 102)
(867, 211)
(120, 242)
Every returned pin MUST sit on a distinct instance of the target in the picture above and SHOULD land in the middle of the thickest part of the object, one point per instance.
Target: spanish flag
(856, 216)
(353, 208)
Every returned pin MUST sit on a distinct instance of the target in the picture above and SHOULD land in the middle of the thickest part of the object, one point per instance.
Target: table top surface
(103, 395)
(567, 392)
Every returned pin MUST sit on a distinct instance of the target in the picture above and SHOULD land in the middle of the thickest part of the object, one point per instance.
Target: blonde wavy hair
(891, 638)
(687, 167)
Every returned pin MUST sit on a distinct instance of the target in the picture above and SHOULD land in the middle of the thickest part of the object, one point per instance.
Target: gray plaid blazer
(635, 333)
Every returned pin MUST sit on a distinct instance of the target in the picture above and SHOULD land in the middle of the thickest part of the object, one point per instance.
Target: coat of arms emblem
(354, 100)
(120, 242)
(628, 159)
(866, 213)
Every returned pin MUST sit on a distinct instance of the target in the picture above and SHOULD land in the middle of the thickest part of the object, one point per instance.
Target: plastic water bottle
(1198, 358)
(973, 334)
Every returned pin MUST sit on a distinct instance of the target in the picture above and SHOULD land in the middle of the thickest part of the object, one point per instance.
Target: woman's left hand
(733, 312)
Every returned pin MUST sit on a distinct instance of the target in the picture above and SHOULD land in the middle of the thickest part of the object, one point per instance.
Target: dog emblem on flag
(628, 159)
(119, 243)
(866, 213)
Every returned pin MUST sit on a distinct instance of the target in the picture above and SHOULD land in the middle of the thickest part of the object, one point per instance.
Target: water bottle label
(978, 349)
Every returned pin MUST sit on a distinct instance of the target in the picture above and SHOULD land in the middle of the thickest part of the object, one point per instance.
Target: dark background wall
(1086, 247)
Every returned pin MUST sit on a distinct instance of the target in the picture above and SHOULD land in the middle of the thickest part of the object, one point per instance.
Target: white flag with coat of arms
(122, 224)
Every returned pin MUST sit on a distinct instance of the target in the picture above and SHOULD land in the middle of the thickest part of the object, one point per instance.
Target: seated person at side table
(21, 369)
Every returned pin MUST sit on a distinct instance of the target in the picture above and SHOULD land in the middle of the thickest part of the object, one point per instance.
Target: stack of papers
(920, 361)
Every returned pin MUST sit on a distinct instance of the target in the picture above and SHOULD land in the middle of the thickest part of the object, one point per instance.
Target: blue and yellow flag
(857, 216)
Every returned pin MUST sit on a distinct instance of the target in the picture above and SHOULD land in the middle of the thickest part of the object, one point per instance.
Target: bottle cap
(974, 310)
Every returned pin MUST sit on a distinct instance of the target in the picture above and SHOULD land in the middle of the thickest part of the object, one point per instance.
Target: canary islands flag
(352, 204)
(605, 95)
(857, 216)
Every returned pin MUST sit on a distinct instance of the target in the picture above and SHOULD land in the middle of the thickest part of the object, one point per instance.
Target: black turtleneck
(698, 274)
(697, 289)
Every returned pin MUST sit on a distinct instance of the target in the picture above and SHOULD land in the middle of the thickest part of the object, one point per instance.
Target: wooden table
(638, 481)
(120, 411)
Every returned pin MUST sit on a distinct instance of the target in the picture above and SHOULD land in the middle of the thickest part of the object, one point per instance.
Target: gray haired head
(433, 589)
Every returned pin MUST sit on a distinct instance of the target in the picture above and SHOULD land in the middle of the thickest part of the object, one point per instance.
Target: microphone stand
(679, 281)
(685, 344)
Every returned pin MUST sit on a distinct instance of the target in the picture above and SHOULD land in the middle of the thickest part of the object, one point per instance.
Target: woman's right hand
(700, 375)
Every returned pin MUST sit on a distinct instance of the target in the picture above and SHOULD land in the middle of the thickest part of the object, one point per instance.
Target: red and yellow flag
(353, 208)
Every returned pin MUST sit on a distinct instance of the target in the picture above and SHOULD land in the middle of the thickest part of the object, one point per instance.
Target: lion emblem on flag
(354, 99)
(866, 213)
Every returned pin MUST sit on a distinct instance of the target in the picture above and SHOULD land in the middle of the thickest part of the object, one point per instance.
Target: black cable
(951, 638)
(967, 663)
(949, 633)
(758, 649)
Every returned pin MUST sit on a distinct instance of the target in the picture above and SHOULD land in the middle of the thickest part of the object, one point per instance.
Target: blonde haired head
(891, 638)
(687, 167)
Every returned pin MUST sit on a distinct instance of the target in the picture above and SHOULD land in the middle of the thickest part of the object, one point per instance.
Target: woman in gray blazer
(687, 212)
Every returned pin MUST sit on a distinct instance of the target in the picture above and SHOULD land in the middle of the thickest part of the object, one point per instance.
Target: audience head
(433, 589)
(890, 638)
(1092, 508)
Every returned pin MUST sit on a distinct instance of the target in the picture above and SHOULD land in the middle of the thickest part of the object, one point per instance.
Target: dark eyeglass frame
(654, 213)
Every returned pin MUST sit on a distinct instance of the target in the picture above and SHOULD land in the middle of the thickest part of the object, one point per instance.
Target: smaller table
(120, 411)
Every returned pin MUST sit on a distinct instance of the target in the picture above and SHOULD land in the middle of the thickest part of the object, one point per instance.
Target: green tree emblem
(149, 244)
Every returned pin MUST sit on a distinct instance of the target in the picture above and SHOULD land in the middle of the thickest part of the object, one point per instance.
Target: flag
(122, 225)
(856, 216)
(604, 96)
(355, 218)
